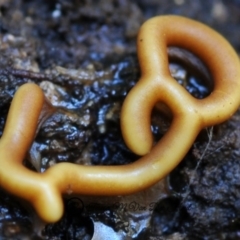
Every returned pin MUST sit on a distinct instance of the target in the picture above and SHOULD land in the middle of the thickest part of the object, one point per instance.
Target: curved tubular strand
(44, 190)
(154, 37)
(27, 108)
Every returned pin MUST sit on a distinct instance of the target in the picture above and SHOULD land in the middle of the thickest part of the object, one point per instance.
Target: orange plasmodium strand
(156, 84)
(19, 132)
(190, 115)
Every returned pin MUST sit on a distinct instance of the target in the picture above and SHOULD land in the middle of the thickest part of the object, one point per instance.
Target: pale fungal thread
(199, 161)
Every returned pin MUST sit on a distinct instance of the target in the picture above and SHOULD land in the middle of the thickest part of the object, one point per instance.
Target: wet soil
(83, 55)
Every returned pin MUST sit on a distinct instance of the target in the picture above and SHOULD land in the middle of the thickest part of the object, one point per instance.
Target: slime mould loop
(190, 115)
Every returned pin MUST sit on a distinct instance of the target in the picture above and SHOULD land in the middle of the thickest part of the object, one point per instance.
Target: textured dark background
(87, 50)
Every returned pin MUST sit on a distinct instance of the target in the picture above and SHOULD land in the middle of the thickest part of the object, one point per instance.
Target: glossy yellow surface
(156, 85)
